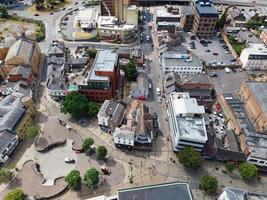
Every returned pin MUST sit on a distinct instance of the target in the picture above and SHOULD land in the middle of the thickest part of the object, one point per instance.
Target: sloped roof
(5, 138)
(56, 48)
(20, 70)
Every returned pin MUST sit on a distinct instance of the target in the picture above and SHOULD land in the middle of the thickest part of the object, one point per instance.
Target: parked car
(160, 99)
(215, 53)
(207, 50)
(36, 14)
(216, 121)
(213, 74)
(155, 116)
(51, 13)
(69, 160)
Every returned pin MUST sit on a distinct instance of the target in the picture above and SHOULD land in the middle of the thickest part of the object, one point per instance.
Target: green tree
(39, 3)
(229, 166)
(209, 184)
(87, 143)
(91, 52)
(101, 152)
(16, 194)
(3, 12)
(5, 175)
(32, 131)
(222, 20)
(190, 158)
(91, 177)
(248, 171)
(130, 71)
(51, 2)
(73, 179)
(75, 104)
(93, 109)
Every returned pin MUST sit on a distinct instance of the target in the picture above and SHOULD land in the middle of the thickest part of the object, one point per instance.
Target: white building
(254, 57)
(181, 63)
(186, 121)
(87, 19)
(241, 194)
(132, 15)
(140, 89)
(124, 136)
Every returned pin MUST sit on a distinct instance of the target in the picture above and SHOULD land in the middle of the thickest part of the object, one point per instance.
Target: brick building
(101, 81)
(254, 95)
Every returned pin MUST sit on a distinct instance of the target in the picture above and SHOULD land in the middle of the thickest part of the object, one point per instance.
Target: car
(75, 3)
(155, 124)
(207, 50)
(213, 74)
(69, 160)
(220, 115)
(227, 70)
(203, 42)
(234, 70)
(14, 14)
(160, 99)
(36, 14)
(51, 13)
(233, 60)
(63, 9)
(216, 121)
(147, 38)
(158, 91)
(221, 128)
(155, 116)
(215, 53)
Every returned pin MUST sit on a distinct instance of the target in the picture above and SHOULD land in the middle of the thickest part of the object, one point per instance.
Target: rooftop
(206, 8)
(20, 70)
(258, 49)
(166, 191)
(5, 138)
(112, 22)
(168, 12)
(105, 61)
(187, 10)
(142, 81)
(171, 58)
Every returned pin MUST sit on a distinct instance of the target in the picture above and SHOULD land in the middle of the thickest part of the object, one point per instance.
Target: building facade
(206, 17)
(101, 82)
(186, 121)
(263, 36)
(187, 18)
(140, 89)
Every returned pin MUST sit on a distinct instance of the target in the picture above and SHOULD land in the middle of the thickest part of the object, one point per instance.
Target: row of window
(184, 68)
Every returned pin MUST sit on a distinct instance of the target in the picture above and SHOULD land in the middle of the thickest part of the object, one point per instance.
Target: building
(254, 57)
(101, 81)
(180, 63)
(206, 17)
(263, 36)
(24, 52)
(110, 115)
(240, 194)
(8, 142)
(247, 37)
(187, 18)
(237, 18)
(112, 30)
(140, 89)
(8, 3)
(87, 19)
(132, 15)
(137, 131)
(254, 96)
(167, 191)
(21, 73)
(197, 85)
(15, 115)
(56, 49)
(186, 121)
(251, 143)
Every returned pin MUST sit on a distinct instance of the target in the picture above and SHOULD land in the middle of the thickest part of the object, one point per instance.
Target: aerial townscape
(133, 99)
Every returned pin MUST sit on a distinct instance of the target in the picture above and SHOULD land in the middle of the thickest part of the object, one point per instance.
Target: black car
(155, 124)
(155, 116)
(213, 75)
(216, 121)
(233, 60)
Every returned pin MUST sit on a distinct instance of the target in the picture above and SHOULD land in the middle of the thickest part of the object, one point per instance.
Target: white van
(158, 91)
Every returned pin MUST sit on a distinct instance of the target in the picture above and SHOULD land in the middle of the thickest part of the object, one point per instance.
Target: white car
(147, 38)
(69, 160)
(160, 99)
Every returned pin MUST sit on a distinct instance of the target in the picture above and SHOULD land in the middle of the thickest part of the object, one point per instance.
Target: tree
(130, 71)
(3, 12)
(73, 179)
(93, 109)
(91, 52)
(229, 166)
(91, 177)
(209, 184)
(101, 152)
(248, 171)
(75, 104)
(5, 175)
(32, 131)
(222, 20)
(87, 143)
(16, 194)
(190, 158)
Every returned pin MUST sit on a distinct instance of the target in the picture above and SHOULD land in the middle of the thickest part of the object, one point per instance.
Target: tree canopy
(32, 131)
(209, 184)
(101, 152)
(130, 71)
(91, 52)
(229, 166)
(5, 175)
(190, 158)
(87, 143)
(3, 12)
(222, 20)
(248, 171)
(73, 179)
(91, 177)
(16, 194)
(77, 105)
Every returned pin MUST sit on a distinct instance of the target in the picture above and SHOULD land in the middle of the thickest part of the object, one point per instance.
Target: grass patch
(238, 46)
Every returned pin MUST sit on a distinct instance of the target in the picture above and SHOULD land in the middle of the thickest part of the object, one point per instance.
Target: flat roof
(111, 22)
(171, 58)
(105, 61)
(205, 8)
(163, 12)
(166, 191)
